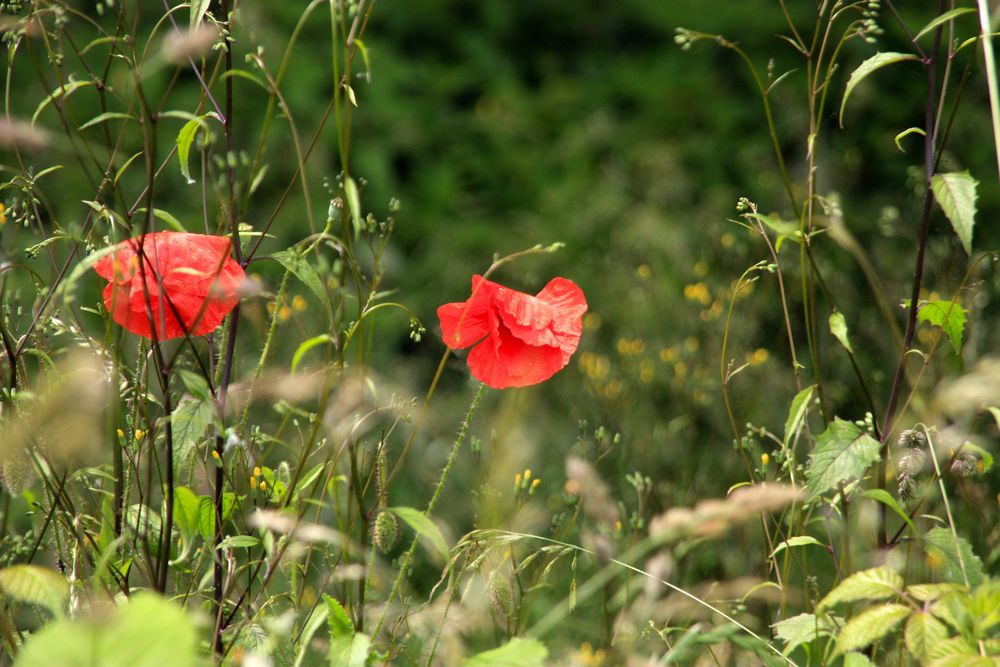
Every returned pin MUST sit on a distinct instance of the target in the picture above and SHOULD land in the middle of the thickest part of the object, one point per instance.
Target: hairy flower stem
(407, 559)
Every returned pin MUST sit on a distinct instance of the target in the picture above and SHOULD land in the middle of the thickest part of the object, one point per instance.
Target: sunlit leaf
(877, 583)
(877, 61)
(797, 412)
(870, 626)
(518, 652)
(798, 541)
(922, 632)
(303, 270)
(35, 585)
(949, 316)
(423, 526)
(956, 195)
(802, 629)
(838, 327)
(843, 451)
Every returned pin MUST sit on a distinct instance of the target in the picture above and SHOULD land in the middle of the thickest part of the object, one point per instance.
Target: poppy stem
(407, 559)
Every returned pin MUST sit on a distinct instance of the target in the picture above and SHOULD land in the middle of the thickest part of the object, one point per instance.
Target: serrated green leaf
(882, 496)
(843, 451)
(956, 195)
(206, 514)
(870, 626)
(949, 316)
(930, 592)
(802, 629)
(922, 632)
(941, 543)
(190, 419)
(798, 541)
(857, 660)
(347, 648)
(340, 623)
(518, 652)
(302, 270)
(35, 585)
(423, 526)
(838, 327)
(954, 647)
(943, 18)
(878, 583)
(62, 91)
(877, 61)
(797, 412)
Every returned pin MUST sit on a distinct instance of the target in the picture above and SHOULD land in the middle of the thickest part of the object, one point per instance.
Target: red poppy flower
(523, 339)
(186, 275)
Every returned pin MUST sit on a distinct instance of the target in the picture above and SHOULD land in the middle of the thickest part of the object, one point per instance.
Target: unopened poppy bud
(385, 532)
(501, 594)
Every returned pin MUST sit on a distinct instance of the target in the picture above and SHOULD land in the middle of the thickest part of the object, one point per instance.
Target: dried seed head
(912, 439)
(964, 465)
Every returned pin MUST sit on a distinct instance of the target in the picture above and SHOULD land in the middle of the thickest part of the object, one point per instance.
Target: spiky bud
(385, 532)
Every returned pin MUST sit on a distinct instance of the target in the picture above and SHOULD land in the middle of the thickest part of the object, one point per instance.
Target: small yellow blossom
(263, 485)
(698, 292)
(691, 344)
(253, 481)
(643, 271)
(527, 475)
(517, 481)
(215, 454)
(668, 354)
(765, 459)
(284, 313)
(758, 357)
(121, 433)
(727, 240)
(299, 303)
(534, 485)
(256, 471)
(680, 369)
(3, 214)
(139, 433)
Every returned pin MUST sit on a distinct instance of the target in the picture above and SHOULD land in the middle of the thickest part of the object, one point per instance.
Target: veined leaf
(838, 327)
(922, 632)
(802, 629)
(870, 626)
(518, 652)
(956, 195)
(35, 585)
(877, 583)
(303, 270)
(877, 61)
(423, 526)
(949, 316)
(843, 451)
(956, 557)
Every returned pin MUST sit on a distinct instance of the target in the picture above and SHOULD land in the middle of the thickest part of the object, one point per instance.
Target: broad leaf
(186, 512)
(956, 195)
(423, 526)
(302, 270)
(931, 592)
(347, 648)
(943, 546)
(518, 652)
(857, 660)
(843, 451)
(877, 61)
(949, 316)
(922, 632)
(877, 583)
(883, 496)
(35, 585)
(799, 541)
(870, 626)
(802, 629)
(189, 420)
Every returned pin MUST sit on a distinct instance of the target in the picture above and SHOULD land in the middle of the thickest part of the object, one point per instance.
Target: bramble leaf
(877, 583)
(956, 195)
(843, 451)
(518, 652)
(870, 626)
(956, 557)
(923, 631)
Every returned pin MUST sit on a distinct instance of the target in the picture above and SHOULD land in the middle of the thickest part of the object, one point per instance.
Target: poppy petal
(465, 322)
(506, 361)
(568, 306)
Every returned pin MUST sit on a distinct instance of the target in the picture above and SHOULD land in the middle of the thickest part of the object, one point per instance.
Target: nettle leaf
(802, 629)
(857, 660)
(35, 585)
(931, 592)
(518, 652)
(189, 420)
(843, 451)
(954, 651)
(870, 626)
(877, 583)
(838, 327)
(923, 631)
(942, 546)
(949, 316)
(877, 61)
(302, 270)
(955, 193)
(423, 526)
(347, 648)
(797, 412)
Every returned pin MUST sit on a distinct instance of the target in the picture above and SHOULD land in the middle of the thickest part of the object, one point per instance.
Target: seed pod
(385, 532)
(501, 594)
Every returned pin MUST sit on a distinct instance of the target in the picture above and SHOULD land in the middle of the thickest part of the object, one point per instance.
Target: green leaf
(953, 648)
(198, 10)
(984, 456)
(799, 541)
(35, 585)
(353, 200)
(877, 583)
(883, 496)
(877, 61)
(302, 270)
(104, 117)
(931, 592)
(184, 140)
(167, 217)
(956, 195)
(949, 316)
(922, 632)
(423, 526)
(187, 512)
(518, 652)
(870, 626)
(996, 415)
(857, 660)
(239, 542)
(941, 542)
(943, 18)
(189, 420)
(347, 648)
(62, 91)
(797, 412)
(905, 133)
(802, 629)
(307, 345)
(206, 514)
(838, 327)
(843, 451)
(340, 623)
(147, 631)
